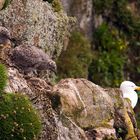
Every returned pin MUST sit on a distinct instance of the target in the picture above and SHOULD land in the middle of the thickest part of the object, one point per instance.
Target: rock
(100, 112)
(82, 99)
(35, 23)
(68, 130)
(76, 109)
(82, 10)
(98, 20)
(38, 91)
(17, 83)
(101, 133)
(55, 127)
(2, 4)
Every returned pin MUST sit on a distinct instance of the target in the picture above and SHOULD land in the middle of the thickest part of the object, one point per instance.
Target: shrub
(75, 60)
(107, 66)
(7, 2)
(101, 5)
(3, 77)
(18, 119)
(50, 1)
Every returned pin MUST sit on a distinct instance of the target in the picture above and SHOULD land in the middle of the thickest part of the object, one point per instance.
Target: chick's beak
(137, 88)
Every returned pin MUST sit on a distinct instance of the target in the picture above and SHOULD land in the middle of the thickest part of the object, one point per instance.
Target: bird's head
(52, 66)
(128, 86)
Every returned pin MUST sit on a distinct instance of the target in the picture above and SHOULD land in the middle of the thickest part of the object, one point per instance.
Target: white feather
(128, 90)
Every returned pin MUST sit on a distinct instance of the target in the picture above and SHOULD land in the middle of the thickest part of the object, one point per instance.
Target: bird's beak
(137, 88)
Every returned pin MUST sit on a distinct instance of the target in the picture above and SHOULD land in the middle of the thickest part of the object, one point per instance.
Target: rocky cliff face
(101, 113)
(73, 109)
(36, 23)
(76, 109)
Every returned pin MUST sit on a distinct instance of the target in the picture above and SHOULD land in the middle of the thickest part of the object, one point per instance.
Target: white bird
(128, 89)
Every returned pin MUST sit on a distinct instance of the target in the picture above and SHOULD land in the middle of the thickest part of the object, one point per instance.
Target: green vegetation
(101, 5)
(120, 15)
(56, 4)
(117, 12)
(138, 119)
(123, 15)
(3, 77)
(74, 62)
(117, 47)
(107, 66)
(18, 119)
(7, 2)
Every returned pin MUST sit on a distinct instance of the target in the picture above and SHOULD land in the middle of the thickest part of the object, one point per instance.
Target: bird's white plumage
(128, 90)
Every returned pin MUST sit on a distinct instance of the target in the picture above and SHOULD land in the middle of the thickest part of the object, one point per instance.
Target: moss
(7, 2)
(18, 119)
(138, 119)
(3, 77)
(101, 5)
(57, 6)
(75, 60)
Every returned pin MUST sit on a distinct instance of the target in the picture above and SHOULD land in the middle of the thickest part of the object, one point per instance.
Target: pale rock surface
(100, 112)
(55, 126)
(1, 3)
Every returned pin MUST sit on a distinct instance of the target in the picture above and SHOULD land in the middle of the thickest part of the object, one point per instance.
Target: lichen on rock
(35, 23)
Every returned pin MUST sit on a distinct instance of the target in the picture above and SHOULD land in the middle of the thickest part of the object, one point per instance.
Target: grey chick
(30, 58)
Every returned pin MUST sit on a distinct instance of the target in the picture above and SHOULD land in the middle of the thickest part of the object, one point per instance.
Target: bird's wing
(24, 56)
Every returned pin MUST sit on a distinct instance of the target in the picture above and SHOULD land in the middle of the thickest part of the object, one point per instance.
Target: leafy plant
(3, 77)
(74, 62)
(107, 66)
(57, 6)
(18, 119)
(100, 6)
(7, 2)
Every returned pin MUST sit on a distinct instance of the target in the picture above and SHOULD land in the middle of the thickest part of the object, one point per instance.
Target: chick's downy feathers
(29, 58)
